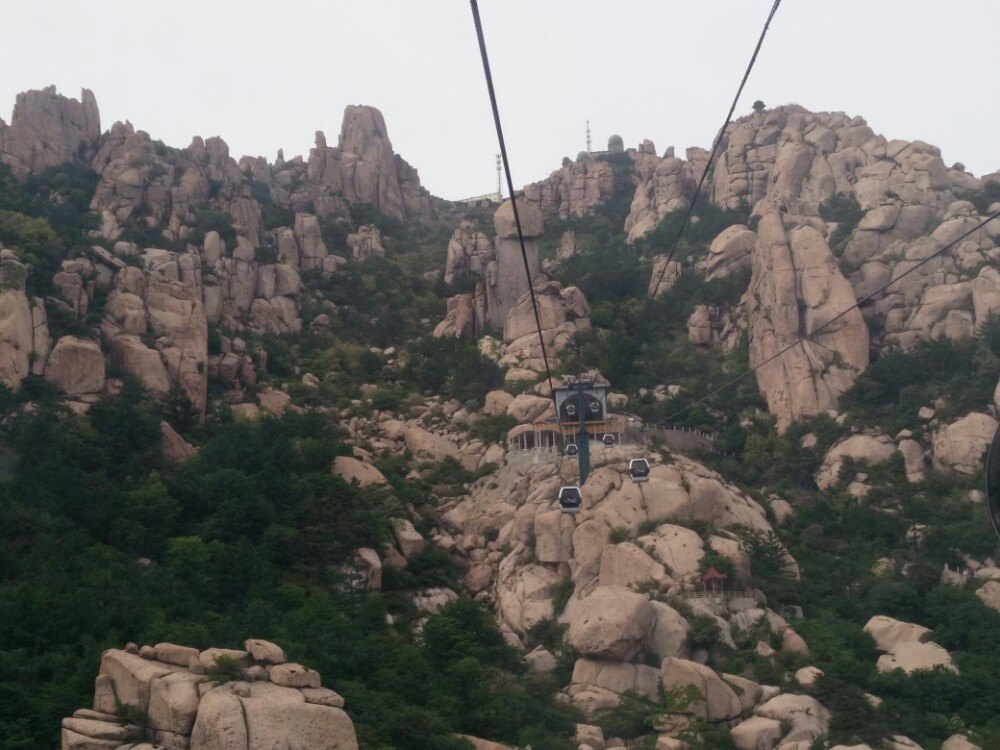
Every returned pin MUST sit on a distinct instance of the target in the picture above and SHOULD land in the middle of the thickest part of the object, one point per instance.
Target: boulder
(888, 632)
(352, 470)
(718, 700)
(668, 635)
(989, 594)
(615, 676)
(173, 702)
(76, 366)
(175, 448)
(627, 565)
(958, 447)
(610, 623)
(756, 733)
(807, 717)
(290, 674)
(265, 652)
(410, 541)
(911, 656)
(863, 448)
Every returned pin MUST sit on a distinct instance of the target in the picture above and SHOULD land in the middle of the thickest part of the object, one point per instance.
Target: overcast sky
(267, 75)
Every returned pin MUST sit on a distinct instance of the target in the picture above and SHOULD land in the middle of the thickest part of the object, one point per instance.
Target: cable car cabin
(608, 439)
(638, 470)
(993, 482)
(571, 449)
(570, 499)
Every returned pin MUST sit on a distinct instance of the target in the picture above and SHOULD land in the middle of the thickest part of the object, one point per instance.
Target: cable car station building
(570, 400)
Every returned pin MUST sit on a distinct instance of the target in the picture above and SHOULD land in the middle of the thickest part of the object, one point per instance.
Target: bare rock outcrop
(367, 241)
(573, 190)
(868, 449)
(364, 169)
(796, 288)
(958, 447)
(266, 702)
(906, 646)
(48, 129)
(18, 343)
(665, 185)
(469, 252)
(76, 366)
(168, 311)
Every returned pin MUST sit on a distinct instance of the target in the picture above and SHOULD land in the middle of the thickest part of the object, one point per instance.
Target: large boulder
(911, 656)
(352, 470)
(718, 700)
(864, 448)
(888, 632)
(805, 716)
(76, 366)
(958, 447)
(610, 623)
(756, 733)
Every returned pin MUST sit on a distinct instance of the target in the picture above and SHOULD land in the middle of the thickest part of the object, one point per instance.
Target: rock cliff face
(796, 288)
(48, 129)
(216, 699)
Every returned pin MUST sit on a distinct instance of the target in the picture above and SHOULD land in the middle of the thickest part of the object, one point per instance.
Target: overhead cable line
(715, 150)
(510, 190)
(842, 313)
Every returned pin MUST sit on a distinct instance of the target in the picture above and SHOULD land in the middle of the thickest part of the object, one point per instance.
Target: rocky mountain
(290, 399)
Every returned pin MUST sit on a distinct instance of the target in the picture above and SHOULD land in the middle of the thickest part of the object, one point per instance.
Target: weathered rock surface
(352, 470)
(796, 288)
(610, 623)
(718, 700)
(48, 129)
(574, 190)
(76, 366)
(18, 323)
(284, 708)
(863, 448)
(958, 447)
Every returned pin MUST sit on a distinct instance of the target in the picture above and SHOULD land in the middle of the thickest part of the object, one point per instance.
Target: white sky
(266, 75)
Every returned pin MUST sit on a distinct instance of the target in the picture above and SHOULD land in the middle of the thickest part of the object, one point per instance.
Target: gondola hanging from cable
(570, 449)
(608, 439)
(570, 499)
(638, 470)
(993, 482)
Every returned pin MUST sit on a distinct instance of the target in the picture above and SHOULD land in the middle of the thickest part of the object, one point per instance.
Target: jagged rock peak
(47, 129)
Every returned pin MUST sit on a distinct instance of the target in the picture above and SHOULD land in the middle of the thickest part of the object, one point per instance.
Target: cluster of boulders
(179, 698)
(954, 448)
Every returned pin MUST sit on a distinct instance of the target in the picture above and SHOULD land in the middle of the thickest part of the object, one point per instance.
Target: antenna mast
(499, 180)
(588, 136)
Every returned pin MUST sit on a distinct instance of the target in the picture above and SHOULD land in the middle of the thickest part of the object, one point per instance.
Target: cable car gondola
(608, 439)
(638, 470)
(993, 482)
(570, 499)
(571, 449)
